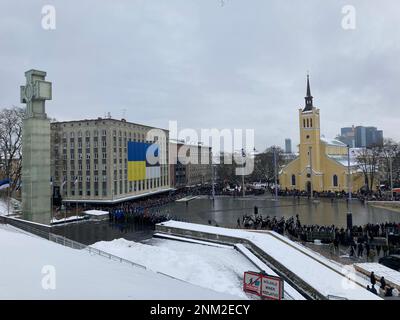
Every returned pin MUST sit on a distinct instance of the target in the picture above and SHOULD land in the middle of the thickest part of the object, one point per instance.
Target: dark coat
(373, 279)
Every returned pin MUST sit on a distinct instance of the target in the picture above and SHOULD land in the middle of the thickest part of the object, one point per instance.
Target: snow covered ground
(71, 218)
(3, 207)
(324, 275)
(380, 270)
(217, 268)
(28, 264)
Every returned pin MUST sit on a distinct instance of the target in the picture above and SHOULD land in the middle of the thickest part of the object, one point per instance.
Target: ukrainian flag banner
(143, 161)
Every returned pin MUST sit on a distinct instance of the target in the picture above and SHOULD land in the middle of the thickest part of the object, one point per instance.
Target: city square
(184, 162)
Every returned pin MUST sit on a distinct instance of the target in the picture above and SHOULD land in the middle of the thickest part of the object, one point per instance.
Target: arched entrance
(308, 186)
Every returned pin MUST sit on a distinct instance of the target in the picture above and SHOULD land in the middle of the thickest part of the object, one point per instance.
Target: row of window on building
(335, 180)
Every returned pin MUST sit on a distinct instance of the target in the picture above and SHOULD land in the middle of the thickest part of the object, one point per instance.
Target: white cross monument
(36, 148)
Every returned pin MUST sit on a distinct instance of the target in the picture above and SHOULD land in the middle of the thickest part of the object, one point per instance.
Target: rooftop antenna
(123, 113)
(108, 115)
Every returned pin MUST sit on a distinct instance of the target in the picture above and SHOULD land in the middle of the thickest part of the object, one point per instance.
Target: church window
(293, 180)
(335, 180)
(308, 123)
(304, 123)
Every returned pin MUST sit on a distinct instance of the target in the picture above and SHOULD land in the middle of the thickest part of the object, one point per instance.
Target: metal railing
(79, 246)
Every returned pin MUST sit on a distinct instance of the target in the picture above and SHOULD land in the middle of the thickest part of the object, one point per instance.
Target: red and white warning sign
(271, 287)
(252, 282)
(264, 285)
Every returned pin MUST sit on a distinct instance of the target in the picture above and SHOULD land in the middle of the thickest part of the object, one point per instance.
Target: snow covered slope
(314, 269)
(80, 275)
(216, 268)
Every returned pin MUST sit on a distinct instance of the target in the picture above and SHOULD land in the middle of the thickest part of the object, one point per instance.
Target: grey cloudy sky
(240, 65)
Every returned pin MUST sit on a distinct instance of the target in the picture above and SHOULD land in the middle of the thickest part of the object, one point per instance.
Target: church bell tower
(309, 149)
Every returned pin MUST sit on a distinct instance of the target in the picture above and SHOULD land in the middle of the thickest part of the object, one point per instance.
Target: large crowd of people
(150, 211)
(359, 240)
(361, 195)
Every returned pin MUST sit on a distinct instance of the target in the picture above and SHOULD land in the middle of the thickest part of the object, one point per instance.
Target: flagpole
(51, 204)
(8, 202)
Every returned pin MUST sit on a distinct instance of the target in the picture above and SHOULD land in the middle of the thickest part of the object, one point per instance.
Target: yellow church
(322, 164)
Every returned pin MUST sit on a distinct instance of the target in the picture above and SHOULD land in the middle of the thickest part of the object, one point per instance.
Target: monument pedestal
(36, 170)
(36, 190)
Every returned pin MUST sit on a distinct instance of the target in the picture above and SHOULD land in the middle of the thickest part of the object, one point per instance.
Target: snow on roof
(96, 212)
(343, 160)
(332, 142)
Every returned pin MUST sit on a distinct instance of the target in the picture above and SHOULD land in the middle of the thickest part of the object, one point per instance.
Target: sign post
(263, 285)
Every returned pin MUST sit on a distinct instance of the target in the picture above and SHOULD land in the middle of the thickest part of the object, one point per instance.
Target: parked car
(392, 261)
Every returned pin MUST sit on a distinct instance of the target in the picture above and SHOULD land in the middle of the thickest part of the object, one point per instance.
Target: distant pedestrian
(372, 255)
(373, 279)
(238, 223)
(383, 283)
(367, 249)
(385, 250)
(360, 250)
(373, 290)
(389, 292)
(378, 250)
(352, 251)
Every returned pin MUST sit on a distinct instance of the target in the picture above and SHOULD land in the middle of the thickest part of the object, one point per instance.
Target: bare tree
(390, 151)
(368, 162)
(264, 165)
(11, 144)
(226, 171)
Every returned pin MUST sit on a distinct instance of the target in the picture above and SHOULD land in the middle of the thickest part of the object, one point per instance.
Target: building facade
(89, 160)
(322, 164)
(176, 168)
(190, 165)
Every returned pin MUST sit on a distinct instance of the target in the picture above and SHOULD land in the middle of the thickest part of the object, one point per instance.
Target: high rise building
(288, 145)
(361, 137)
(347, 136)
(366, 137)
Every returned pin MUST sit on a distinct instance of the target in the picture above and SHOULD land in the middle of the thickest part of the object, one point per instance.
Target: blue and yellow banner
(143, 161)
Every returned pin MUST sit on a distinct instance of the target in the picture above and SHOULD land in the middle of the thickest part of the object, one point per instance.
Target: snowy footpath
(35, 268)
(324, 275)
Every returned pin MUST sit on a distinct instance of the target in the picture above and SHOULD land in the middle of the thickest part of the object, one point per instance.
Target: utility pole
(349, 214)
(391, 176)
(243, 188)
(275, 174)
(212, 177)
(311, 172)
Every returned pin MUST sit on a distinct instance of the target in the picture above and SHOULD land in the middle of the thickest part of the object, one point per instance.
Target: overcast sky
(238, 65)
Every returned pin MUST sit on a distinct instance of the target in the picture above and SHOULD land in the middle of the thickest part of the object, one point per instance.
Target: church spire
(308, 98)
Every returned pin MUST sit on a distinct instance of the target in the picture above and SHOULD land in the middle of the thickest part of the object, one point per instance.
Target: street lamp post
(243, 188)
(275, 175)
(391, 177)
(212, 178)
(349, 214)
(311, 172)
